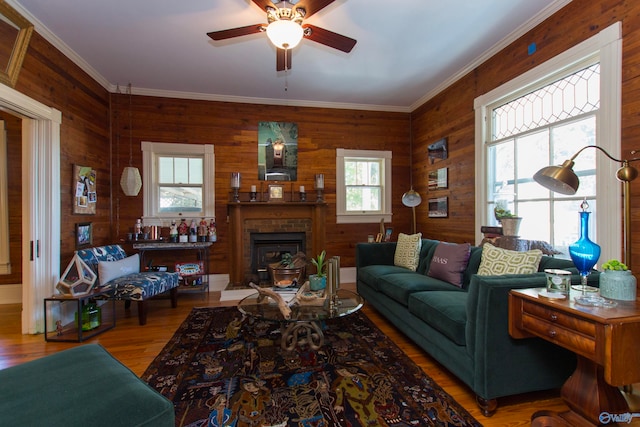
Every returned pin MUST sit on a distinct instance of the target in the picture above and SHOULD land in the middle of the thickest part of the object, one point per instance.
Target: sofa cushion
(400, 286)
(408, 251)
(372, 273)
(449, 262)
(498, 261)
(143, 285)
(445, 311)
(109, 270)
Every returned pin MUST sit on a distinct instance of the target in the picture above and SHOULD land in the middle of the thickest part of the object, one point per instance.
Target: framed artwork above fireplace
(277, 151)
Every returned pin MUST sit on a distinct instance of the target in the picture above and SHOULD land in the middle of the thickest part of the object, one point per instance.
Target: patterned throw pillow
(408, 251)
(498, 261)
(449, 262)
(109, 270)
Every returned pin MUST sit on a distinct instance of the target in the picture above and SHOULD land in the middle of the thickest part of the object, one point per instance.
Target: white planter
(620, 285)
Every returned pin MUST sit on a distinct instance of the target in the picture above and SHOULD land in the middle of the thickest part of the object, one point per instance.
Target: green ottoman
(82, 386)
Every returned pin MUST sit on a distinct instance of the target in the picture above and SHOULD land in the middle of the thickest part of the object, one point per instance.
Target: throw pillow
(498, 261)
(407, 253)
(109, 270)
(449, 262)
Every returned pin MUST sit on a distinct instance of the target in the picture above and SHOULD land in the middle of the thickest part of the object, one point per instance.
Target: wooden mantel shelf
(240, 212)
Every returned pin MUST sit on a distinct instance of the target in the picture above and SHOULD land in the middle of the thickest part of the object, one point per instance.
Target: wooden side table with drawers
(605, 341)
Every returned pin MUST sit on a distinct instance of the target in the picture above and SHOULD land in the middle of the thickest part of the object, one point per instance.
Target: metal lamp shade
(130, 181)
(411, 198)
(560, 179)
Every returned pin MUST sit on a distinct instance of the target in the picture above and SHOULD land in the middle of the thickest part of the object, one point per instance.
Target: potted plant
(617, 282)
(510, 222)
(318, 281)
(289, 270)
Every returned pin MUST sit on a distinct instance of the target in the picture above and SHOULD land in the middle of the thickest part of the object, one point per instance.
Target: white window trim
(607, 47)
(344, 217)
(149, 176)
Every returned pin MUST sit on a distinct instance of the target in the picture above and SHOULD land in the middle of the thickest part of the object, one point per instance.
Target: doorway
(40, 202)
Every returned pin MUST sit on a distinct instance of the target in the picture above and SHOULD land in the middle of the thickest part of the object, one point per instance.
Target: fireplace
(268, 248)
(306, 219)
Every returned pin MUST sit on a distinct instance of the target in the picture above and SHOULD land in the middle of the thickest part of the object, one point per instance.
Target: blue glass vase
(584, 253)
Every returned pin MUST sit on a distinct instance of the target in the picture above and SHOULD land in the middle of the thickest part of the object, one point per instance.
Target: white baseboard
(11, 294)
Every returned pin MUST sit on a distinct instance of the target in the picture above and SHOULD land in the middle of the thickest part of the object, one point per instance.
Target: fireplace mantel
(240, 212)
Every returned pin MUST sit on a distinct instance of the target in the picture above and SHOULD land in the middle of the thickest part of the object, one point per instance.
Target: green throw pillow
(498, 261)
(408, 251)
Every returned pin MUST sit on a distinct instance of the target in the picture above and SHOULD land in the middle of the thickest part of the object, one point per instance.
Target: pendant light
(130, 181)
(411, 198)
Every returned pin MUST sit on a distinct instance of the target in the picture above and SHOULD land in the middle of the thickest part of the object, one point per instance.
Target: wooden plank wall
(450, 113)
(233, 130)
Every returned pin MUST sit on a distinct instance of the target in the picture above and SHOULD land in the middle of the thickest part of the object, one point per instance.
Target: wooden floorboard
(136, 346)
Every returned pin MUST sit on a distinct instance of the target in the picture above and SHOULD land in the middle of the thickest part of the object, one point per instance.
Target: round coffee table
(304, 326)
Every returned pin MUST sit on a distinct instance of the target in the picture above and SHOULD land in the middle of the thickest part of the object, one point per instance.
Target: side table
(63, 316)
(605, 342)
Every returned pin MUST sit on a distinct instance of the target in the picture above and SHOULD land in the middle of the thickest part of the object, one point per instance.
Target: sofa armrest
(497, 357)
(375, 254)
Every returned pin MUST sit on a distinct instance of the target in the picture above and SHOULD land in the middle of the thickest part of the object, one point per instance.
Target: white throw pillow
(109, 270)
(498, 261)
(408, 251)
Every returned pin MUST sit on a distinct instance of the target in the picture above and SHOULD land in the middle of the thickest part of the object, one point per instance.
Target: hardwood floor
(136, 346)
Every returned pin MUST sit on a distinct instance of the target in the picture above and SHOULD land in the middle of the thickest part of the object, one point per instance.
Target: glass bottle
(584, 253)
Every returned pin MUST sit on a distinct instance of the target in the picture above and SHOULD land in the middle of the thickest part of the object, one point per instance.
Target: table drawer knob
(552, 333)
(554, 317)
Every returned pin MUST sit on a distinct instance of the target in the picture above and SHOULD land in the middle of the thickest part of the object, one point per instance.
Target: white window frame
(605, 47)
(150, 153)
(342, 215)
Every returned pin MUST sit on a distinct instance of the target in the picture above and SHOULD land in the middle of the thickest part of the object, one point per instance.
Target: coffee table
(305, 323)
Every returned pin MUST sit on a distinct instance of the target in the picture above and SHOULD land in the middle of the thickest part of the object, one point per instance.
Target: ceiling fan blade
(283, 59)
(262, 4)
(312, 6)
(236, 32)
(329, 38)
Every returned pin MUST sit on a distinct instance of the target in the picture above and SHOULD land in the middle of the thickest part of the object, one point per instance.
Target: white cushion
(498, 261)
(408, 251)
(109, 270)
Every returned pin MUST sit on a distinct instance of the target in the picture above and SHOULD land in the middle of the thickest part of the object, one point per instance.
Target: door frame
(40, 202)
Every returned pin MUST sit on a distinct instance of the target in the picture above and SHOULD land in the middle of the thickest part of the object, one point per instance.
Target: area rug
(221, 369)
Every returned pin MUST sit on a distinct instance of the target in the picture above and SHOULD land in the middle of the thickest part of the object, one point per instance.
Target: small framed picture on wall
(439, 207)
(84, 234)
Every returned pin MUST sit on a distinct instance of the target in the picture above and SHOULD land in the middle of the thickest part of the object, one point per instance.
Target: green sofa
(465, 328)
(81, 386)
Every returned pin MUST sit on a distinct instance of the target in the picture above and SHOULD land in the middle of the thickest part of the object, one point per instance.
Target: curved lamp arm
(562, 179)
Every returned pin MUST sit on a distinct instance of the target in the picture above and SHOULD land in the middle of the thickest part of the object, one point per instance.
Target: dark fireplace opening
(267, 248)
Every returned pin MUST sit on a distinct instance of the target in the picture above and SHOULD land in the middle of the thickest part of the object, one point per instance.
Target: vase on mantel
(618, 284)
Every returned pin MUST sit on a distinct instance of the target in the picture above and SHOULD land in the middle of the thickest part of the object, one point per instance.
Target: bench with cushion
(122, 274)
(82, 386)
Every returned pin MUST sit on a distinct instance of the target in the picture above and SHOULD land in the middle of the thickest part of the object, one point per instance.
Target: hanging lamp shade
(131, 181)
(411, 198)
(285, 34)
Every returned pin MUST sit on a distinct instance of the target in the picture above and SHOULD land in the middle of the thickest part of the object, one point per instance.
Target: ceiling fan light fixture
(285, 34)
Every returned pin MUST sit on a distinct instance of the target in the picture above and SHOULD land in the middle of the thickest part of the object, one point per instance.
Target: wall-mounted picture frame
(84, 234)
(277, 151)
(276, 192)
(438, 179)
(439, 207)
(84, 188)
(438, 150)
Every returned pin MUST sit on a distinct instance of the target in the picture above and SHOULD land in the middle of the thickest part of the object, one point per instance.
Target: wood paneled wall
(51, 78)
(233, 130)
(451, 114)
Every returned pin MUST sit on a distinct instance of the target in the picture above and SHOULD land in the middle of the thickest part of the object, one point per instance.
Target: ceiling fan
(285, 28)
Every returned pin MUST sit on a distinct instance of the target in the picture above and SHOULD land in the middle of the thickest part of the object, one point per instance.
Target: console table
(202, 253)
(605, 341)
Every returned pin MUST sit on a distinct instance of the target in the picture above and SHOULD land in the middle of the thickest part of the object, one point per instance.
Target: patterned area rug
(222, 370)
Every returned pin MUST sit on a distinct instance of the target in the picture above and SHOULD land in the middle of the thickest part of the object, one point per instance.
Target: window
(543, 118)
(178, 179)
(363, 186)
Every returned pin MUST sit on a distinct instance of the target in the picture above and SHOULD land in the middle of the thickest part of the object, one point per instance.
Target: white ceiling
(407, 50)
